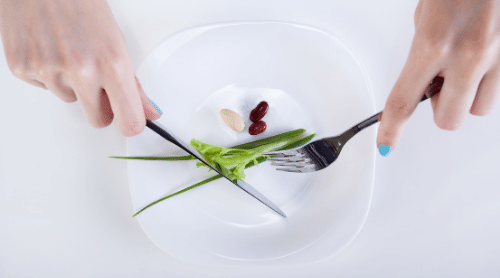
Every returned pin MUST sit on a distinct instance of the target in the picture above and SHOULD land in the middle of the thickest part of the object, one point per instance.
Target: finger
(36, 83)
(457, 95)
(151, 110)
(28, 78)
(93, 100)
(418, 12)
(95, 105)
(404, 98)
(106, 116)
(121, 88)
(59, 88)
(487, 94)
(66, 94)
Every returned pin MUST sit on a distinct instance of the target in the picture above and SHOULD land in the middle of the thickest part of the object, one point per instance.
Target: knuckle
(387, 134)
(399, 107)
(84, 71)
(66, 94)
(35, 66)
(18, 68)
(437, 49)
(20, 72)
(16, 61)
(119, 68)
(69, 98)
(116, 64)
(446, 123)
(113, 55)
(133, 127)
(434, 45)
(476, 50)
(48, 74)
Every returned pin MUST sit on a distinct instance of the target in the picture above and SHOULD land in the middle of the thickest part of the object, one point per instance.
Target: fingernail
(156, 106)
(384, 150)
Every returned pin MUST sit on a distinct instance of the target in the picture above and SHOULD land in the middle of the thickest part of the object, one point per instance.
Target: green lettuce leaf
(224, 158)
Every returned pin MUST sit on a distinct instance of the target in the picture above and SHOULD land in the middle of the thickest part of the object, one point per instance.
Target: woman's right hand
(76, 50)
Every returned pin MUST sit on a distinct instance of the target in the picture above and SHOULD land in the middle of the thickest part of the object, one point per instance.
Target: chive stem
(179, 192)
(249, 145)
(260, 159)
(168, 158)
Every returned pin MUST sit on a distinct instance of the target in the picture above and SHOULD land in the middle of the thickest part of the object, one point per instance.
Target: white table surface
(65, 208)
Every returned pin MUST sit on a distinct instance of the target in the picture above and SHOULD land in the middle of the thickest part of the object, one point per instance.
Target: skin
(76, 50)
(458, 40)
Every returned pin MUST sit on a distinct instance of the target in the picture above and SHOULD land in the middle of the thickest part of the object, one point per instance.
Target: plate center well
(223, 200)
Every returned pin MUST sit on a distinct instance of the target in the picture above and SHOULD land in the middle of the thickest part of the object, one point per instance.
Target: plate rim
(368, 84)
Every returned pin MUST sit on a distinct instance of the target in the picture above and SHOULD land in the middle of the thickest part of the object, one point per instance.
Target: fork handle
(434, 88)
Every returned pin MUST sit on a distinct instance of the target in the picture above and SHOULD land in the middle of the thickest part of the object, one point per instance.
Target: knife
(162, 131)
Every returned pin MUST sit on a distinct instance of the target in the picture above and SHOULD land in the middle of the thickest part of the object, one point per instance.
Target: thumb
(151, 110)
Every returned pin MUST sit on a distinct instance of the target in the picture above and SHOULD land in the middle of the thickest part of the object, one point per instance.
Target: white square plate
(311, 80)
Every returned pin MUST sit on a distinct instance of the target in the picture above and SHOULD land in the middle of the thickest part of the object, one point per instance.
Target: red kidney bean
(257, 128)
(259, 112)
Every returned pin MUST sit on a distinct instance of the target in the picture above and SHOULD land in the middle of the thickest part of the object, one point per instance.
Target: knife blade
(162, 131)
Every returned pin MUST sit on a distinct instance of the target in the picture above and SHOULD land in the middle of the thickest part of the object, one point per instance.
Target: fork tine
(287, 159)
(282, 153)
(299, 164)
(310, 168)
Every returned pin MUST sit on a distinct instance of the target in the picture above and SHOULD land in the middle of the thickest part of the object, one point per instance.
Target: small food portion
(259, 112)
(232, 120)
(224, 158)
(233, 161)
(257, 128)
(236, 122)
(256, 116)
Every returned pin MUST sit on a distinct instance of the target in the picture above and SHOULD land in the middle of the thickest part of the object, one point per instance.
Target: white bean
(232, 120)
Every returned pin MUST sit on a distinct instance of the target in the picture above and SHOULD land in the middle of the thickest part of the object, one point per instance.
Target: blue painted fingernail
(384, 150)
(156, 106)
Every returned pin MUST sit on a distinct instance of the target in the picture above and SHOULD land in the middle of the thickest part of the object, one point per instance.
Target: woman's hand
(455, 39)
(75, 49)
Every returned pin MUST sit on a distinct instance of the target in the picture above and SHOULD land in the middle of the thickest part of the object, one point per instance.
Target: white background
(65, 208)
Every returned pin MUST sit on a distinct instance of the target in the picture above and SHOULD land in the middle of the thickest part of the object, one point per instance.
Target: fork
(321, 153)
